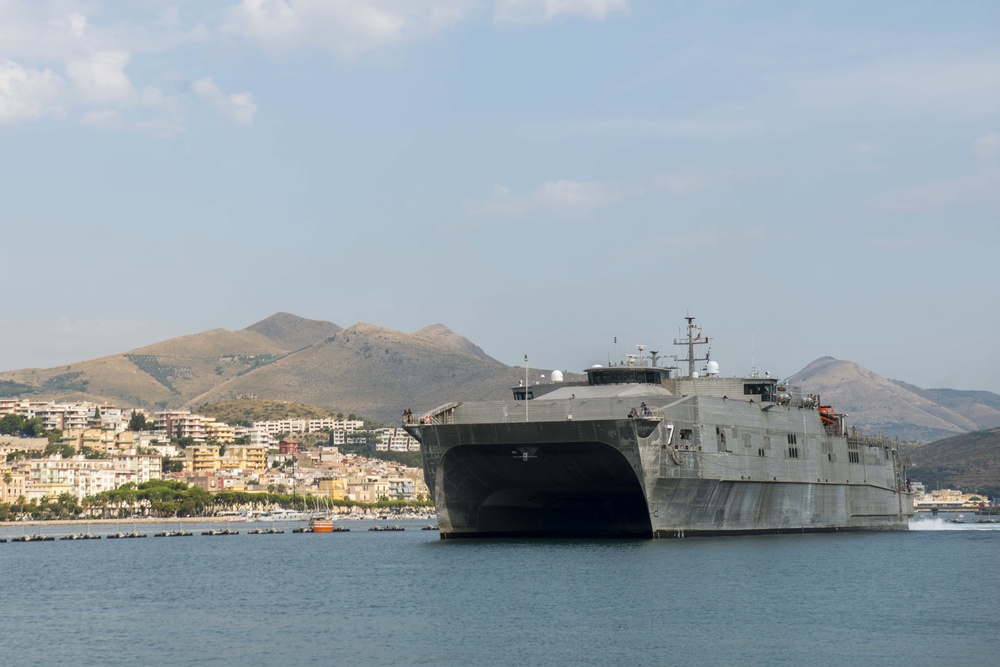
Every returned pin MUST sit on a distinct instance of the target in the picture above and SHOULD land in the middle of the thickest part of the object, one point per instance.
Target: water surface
(407, 598)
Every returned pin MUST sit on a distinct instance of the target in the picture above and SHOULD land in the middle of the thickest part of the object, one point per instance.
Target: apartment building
(137, 468)
(247, 458)
(181, 424)
(218, 432)
(332, 488)
(366, 488)
(257, 437)
(298, 426)
(63, 416)
(81, 477)
(12, 443)
(396, 440)
(98, 439)
(12, 481)
(201, 460)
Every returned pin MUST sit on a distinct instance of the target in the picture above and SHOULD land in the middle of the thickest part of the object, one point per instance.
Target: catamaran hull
(620, 478)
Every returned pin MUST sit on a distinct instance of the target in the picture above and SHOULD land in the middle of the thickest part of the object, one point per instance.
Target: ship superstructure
(640, 450)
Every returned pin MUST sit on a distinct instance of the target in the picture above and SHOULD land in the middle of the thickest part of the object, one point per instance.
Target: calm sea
(925, 597)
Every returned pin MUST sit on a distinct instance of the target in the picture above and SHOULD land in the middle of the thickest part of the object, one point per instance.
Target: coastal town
(81, 450)
(77, 451)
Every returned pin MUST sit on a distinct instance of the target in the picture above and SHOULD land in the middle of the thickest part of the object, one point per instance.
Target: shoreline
(194, 519)
(111, 522)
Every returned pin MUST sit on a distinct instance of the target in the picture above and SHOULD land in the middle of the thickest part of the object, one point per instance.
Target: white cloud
(100, 78)
(987, 146)
(343, 27)
(538, 11)
(568, 195)
(238, 108)
(56, 61)
(28, 94)
(563, 196)
(348, 28)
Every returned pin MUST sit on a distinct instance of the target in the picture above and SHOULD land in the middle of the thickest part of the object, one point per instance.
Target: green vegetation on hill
(149, 364)
(970, 462)
(66, 382)
(244, 411)
(12, 389)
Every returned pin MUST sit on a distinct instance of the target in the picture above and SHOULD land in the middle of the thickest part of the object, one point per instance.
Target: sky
(541, 176)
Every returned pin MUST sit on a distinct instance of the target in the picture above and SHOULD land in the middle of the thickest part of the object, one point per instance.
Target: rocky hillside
(970, 462)
(291, 332)
(165, 374)
(879, 405)
(377, 373)
(367, 370)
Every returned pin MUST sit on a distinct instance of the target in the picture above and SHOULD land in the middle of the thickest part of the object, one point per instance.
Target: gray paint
(573, 461)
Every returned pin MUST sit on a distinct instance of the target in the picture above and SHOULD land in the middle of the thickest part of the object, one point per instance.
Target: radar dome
(713, 368)
(597, 366)
(694, 374)
(556, 376)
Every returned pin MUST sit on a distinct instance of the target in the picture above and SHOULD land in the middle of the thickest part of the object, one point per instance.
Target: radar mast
(694, 337)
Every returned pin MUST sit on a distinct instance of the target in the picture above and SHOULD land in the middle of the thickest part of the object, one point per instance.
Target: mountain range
(377, 373)
(364, 369)
(894, 408)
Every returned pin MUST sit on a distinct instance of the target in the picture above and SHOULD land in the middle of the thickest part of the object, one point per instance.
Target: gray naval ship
(640, 450)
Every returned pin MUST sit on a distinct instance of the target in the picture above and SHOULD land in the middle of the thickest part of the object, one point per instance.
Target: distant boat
(284, 515)
(321, 525)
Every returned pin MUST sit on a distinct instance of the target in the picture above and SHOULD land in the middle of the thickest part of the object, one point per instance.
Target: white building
(396, 439)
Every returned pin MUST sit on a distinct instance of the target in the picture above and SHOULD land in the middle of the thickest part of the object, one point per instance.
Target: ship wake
(937, 523)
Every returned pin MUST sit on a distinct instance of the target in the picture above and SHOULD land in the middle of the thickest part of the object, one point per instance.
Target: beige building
(201, 460)
(245, 457)
(99, 439)
(366, 488)
(948, 499)
(13, 479)
(334, 489)
(12, 443)
(181, 424)
(219, 433)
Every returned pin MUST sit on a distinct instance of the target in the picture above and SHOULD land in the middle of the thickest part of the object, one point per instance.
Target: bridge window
(763, 389)
(628, 376)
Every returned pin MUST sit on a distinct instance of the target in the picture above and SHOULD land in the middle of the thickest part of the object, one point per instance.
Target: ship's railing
(879, 440)
(443, 414)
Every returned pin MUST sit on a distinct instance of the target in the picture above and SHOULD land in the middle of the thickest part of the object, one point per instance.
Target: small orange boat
(321, 525)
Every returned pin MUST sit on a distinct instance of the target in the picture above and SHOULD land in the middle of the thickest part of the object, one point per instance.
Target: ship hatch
(558, 489)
